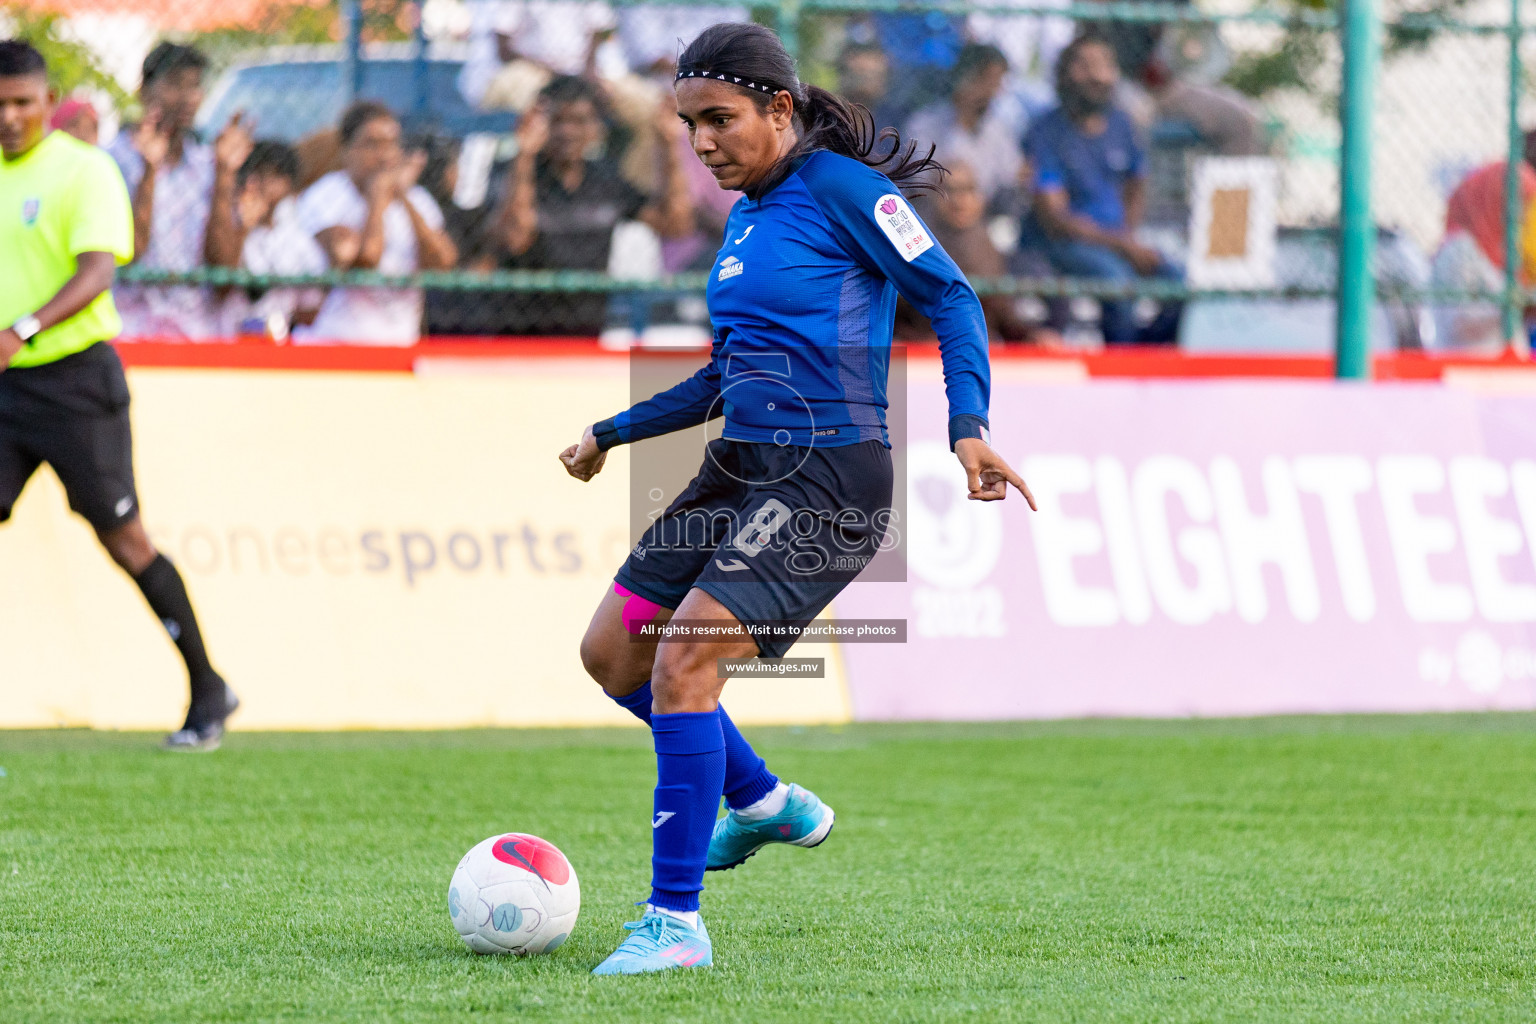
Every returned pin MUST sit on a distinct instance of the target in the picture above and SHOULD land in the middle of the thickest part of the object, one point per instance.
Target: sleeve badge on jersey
(902, 227)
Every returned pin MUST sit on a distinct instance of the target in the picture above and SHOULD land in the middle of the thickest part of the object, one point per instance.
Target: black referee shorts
(772, 532)
(73, 415)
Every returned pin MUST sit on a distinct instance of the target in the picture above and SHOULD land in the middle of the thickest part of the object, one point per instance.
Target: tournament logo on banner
(1217, 549)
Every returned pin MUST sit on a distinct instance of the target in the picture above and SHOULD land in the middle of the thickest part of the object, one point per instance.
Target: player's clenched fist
(585, 460)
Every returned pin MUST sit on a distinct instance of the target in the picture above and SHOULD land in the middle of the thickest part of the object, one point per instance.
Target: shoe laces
(654, 932)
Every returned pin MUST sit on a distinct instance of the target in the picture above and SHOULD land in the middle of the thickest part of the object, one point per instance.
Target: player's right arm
(686, 404)
(99, 232)
(93, 275)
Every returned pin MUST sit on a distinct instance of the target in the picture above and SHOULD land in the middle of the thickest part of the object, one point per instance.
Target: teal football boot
(659, 942)
(804, 821)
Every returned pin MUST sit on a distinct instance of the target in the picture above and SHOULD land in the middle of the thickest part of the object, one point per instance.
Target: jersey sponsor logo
(29, 211)
(734, 565)
(744, 234)
(730, 267)
(639, 552)
(902, 227)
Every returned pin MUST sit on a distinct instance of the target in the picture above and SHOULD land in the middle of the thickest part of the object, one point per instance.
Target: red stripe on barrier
(1127, 363)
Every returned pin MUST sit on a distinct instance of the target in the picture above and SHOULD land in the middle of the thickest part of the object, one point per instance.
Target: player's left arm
(926, 276)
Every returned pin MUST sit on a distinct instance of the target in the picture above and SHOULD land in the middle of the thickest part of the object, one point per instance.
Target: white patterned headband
(726, 76)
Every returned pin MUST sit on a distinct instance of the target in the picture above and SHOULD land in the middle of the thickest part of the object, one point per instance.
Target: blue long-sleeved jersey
(803, 299)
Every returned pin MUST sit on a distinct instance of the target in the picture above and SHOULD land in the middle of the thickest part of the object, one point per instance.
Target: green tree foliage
(72, 65)
(1303, 53)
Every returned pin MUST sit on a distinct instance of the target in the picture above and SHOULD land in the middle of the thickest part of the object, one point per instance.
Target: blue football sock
(637, 703)
(690, 775)
(747, 778)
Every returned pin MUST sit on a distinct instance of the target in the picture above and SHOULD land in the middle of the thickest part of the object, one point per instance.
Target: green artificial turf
(1326, 869)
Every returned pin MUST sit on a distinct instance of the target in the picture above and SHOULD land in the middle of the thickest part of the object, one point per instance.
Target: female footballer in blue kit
(792, 500)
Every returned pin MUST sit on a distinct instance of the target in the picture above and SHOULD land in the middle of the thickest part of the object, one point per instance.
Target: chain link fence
(257, 219)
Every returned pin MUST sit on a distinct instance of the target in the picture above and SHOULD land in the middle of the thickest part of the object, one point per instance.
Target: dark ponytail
(755, 60)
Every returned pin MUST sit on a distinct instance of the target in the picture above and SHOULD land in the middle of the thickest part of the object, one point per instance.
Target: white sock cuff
(688, 917)
(768, 806)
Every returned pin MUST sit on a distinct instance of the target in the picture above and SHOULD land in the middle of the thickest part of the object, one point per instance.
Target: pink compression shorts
(637, 610)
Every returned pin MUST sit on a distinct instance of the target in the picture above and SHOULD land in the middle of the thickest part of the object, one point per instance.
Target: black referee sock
(163, 588)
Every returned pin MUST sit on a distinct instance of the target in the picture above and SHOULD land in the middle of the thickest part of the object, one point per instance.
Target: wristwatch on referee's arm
(26, 328)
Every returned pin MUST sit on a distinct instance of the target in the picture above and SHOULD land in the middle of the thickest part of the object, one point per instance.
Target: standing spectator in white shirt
(557, 35)
(271, 242)
(175, 180)
(652, 35)
(371, 215)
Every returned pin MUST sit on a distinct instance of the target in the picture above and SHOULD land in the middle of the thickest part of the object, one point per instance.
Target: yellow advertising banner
(365, 550)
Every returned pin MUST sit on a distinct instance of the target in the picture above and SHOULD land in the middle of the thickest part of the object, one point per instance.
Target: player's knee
(685, 677)
(130, 548)
(599, 658)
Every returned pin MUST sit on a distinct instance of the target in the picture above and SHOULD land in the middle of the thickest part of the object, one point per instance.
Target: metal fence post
(419, 69)
(1512, 254)
(1357, 230)
(352, 59)
(789, 26)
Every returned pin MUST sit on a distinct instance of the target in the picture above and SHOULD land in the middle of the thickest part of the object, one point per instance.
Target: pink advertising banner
(1215, 548)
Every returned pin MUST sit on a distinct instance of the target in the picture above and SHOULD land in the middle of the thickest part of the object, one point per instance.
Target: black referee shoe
(201, 733)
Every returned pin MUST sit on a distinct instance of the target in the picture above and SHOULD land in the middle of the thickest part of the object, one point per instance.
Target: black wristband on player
(968, 425)
(606, 434)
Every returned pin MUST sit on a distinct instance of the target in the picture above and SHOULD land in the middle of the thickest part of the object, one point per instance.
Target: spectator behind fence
(557, 36)
(957, 217)
(560, 205)
(271, 242)
(1090, 190)
(1031, 43)
(1471, 257)
(372, 215)
(1181, 77)
(922, 45)
(77, 118)
(864, 77)
(650, 35)
(967, 127)
(175, 180)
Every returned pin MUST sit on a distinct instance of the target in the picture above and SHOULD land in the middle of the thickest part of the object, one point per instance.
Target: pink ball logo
(533, 854)
(888, 205)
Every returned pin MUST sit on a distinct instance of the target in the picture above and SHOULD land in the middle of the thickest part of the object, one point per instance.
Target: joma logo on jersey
(29, 211)
(730, 267)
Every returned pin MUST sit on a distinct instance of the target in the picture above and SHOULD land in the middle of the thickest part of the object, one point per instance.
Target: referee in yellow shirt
(65, 225)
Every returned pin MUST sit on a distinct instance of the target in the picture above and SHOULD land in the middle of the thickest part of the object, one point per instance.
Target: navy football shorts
(73, 415)
(772, 532)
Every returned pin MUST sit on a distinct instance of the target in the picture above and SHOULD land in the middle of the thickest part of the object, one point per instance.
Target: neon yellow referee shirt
(62, 198)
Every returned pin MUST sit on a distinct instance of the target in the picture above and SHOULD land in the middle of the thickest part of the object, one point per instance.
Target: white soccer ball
(514, 893)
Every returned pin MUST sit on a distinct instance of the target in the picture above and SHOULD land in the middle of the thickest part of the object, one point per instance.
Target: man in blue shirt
(1090, 189)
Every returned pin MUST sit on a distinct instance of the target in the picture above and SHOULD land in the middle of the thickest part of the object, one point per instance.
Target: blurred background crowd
(539, 135)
